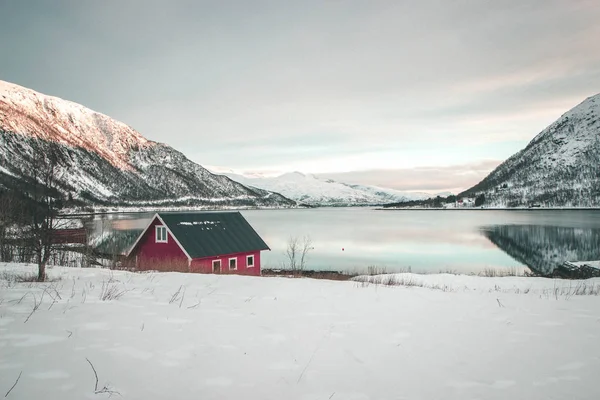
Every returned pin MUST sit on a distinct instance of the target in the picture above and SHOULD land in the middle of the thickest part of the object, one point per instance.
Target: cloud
(432, 179)
(311, 85)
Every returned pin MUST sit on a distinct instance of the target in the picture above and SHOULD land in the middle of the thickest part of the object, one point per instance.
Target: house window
(216, 265)
(161, 234)
(250, 261)
(233, 263)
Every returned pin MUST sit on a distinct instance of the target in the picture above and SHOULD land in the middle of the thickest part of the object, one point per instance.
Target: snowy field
(184, 336)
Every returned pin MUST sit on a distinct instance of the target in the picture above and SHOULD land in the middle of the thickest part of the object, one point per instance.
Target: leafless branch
(13, 386)
(110, 290)
(291, 252)
(175, 295)
(297, 253)
(182, 296)
(54, 301)
(306, 247)
(105, 389)
(36, 305)
(195, 305)
(95, 374)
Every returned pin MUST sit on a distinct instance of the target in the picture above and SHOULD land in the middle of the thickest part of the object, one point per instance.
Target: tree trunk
(41, 271)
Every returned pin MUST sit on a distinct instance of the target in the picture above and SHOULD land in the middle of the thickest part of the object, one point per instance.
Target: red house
(205, 242)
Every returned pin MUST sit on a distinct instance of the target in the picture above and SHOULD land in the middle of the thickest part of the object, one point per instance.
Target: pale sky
(415, 95)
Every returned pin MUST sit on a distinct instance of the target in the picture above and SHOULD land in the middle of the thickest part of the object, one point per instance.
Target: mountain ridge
(559, 167)
(104, 161)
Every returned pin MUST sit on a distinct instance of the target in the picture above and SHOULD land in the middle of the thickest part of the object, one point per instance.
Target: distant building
(206, 242)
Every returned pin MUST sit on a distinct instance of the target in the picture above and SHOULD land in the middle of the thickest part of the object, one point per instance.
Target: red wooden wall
(159, 256)
(204, 265)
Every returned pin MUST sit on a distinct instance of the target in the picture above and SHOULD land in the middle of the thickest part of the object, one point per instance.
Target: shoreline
(488, 209)
(341, 275)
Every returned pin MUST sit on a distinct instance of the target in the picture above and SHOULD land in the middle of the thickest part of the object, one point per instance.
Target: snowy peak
(298, 176)
(27, 112)
(310, 189)
(560, 167)
(572, 133)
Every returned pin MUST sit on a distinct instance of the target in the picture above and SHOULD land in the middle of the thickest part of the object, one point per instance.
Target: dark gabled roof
(207, 234)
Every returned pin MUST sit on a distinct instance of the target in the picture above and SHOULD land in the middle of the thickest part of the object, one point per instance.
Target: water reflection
(542, 248)
(352, 239)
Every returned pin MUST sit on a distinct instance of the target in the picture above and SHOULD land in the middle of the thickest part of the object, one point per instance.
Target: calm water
(426, 241)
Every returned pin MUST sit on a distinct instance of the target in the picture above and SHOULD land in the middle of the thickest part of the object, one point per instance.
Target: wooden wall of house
(159, 256)
(205, 265)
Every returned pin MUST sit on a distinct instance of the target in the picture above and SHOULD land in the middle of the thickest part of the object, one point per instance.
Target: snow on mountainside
(103, 161)
(307, 188)
(50, 118)
(560, 167)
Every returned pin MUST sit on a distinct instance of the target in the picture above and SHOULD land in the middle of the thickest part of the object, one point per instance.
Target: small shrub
(398, 280)
(111, 290)
(499, 273)
(376, 270)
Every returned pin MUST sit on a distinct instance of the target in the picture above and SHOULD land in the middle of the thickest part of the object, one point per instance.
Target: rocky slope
(559, 168)
(103, 161)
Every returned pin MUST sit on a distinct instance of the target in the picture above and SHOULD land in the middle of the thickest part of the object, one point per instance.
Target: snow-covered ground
(185, 336)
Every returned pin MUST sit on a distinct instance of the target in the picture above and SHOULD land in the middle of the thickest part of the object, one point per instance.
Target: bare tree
(292, 252)
(14, 211)
(297, 252)
(306, 247)
(47, 203)
(6, 210)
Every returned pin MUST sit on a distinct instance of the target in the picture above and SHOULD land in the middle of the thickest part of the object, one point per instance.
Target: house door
(216, 266)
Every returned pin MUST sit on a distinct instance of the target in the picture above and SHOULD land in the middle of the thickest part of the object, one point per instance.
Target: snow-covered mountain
(103, 161)
(309, 189)
(560, 167)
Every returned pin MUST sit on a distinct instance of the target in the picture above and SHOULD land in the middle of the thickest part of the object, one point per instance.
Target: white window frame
(161, 228)
(248, 265)
(216, 262)
(234, 259)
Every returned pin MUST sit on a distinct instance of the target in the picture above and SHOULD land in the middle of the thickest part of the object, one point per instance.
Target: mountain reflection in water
(542, 248)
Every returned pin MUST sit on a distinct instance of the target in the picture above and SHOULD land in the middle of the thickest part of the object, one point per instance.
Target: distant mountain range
(310, 189)
(105, 162)
(560, 167)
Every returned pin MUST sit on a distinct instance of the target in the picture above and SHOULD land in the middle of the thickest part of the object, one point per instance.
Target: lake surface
(352, 239)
